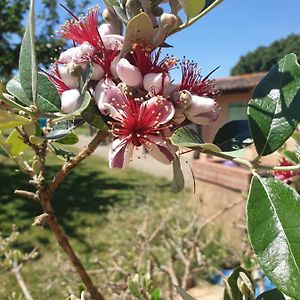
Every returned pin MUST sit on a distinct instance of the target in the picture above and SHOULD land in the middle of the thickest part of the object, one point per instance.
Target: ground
(80, 204)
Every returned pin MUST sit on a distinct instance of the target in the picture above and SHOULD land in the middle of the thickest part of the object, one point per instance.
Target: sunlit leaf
(27, 58)
(183, 137)
(192, 7)
(10, 120)
(69, 139)
(139, 29)
(232, 290)
(274, 109)
(14, 88)
(63, 128)
(273, 224)
(48, 99)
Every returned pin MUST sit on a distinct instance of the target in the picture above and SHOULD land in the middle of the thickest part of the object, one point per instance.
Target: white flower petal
(71, 81)
(129, 73)
(161, 149)
(105, 29)
(69, 100)
(155, 81)
(120, 154)
(98, 72)
(202, 110)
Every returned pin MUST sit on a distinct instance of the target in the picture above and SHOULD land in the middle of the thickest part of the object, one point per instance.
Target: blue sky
(234, 28)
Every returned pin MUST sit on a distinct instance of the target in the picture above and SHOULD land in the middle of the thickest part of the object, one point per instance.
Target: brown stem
(64, 243)
(45, 193)
(73, 162)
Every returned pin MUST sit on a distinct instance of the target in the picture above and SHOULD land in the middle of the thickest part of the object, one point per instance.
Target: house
(221, 186)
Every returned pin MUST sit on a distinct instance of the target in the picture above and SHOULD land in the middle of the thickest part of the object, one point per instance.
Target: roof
(239, 82)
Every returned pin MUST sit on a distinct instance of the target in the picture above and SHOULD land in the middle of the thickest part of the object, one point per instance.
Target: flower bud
(69, 100)
(105, 29)
(106, 15)
(113, 67)
(86, 49)
(101, 87)
(113, 41)
(71, 81)
(202, 110)
(129, 73)
(168, 22)
(69, 55)
(74, 69)
(98, 72)
(156, 81)
(183, 99)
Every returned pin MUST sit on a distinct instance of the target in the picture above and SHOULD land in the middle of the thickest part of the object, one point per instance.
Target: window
(237, 111)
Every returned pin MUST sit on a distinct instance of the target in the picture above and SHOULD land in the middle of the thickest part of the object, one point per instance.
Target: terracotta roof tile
(240, 82)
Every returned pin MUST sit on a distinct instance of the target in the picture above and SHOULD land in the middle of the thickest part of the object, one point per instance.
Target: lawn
(84, 207)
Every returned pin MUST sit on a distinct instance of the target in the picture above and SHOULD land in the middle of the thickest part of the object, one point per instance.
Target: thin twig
(72, 163)
(16, 270)
(27, 194)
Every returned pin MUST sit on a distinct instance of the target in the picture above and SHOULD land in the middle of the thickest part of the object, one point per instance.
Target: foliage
(264, 58)
(13, 16)
(115, 83)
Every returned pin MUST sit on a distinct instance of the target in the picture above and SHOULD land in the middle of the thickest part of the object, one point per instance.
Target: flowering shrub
(117, 81)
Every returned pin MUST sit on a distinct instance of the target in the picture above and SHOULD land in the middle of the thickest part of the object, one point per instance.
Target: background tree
(263, 58)
(13, 15)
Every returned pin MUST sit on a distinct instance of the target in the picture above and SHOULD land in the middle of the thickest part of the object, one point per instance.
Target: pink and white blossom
(137, 124)
(143, 65)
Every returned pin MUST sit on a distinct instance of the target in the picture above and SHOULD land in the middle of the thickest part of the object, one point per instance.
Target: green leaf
(10, 120)
(178, 178)
(92, 115)
(184, 295)
(69, 139)
(61, 153)
(232, 290)
(271, 295)
(274, 109)
(296, 136)
(27, 59)
(3, 151)
(16, 143)
(61, 129)
(233, 136)
(15, 140)
(183, 137)
(48, 99)
(192, 7)
(291, 156)
(14, 88)
(273, 223)
(121, 14)
(155, 295)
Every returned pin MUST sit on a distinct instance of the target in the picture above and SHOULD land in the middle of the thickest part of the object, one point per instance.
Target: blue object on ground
(42, 122)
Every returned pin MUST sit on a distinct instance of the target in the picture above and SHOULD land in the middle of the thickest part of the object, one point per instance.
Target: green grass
(83, 206)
